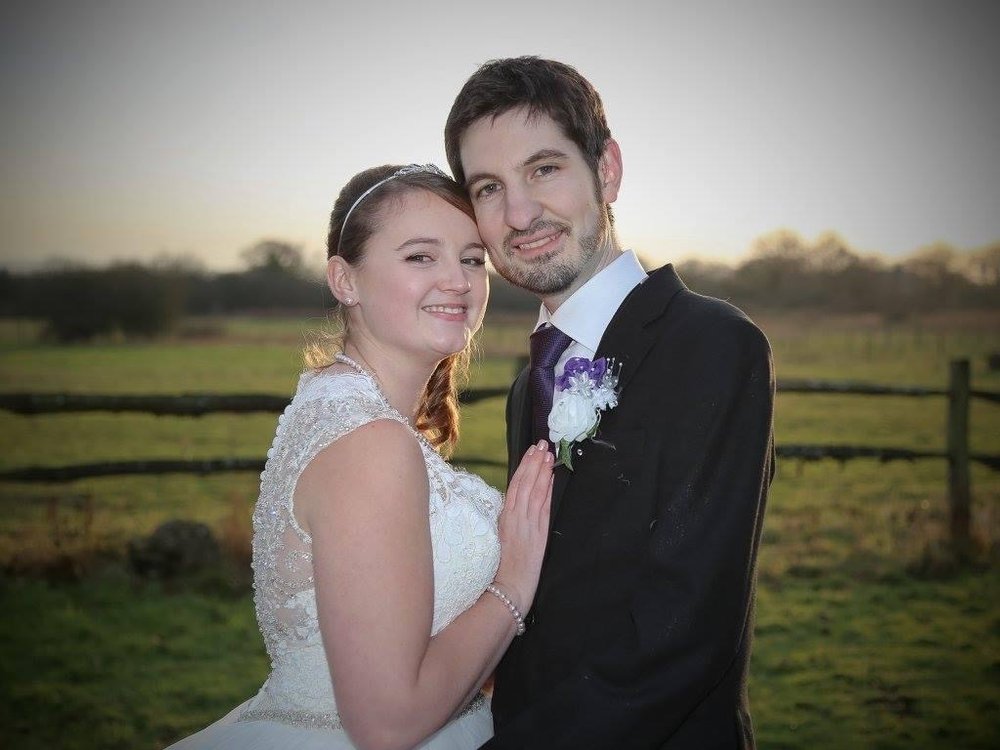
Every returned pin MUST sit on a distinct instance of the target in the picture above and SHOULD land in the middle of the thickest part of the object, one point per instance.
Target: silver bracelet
(499, 594)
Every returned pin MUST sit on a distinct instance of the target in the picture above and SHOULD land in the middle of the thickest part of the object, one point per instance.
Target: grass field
(868, 634)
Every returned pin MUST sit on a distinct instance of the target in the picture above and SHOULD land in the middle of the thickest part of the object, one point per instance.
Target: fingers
(543, 517)
(532, 490)
(540, 498)
(524, 522)
(525, 474)
(537, 475)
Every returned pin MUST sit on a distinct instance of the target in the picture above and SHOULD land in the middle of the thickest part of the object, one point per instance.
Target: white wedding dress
(295, 709)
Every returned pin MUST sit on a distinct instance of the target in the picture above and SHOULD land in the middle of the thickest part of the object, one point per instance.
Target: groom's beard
(544, 275)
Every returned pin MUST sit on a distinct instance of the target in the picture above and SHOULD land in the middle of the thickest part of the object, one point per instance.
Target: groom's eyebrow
(479, 176)
(544, 154)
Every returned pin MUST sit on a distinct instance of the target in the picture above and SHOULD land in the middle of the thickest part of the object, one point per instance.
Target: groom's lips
(537, 244)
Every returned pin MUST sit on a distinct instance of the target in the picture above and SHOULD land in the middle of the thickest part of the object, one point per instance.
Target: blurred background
(168, 170)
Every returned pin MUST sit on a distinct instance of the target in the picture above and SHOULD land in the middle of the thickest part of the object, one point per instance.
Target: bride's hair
(362, 201)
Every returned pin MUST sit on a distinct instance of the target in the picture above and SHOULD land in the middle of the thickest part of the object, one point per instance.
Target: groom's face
(540, 208)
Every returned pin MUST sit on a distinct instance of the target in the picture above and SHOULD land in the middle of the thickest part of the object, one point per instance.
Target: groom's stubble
(546, 275)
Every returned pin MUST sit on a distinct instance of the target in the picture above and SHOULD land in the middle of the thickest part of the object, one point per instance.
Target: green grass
(868, 635)
(868, 664)
(104, 663)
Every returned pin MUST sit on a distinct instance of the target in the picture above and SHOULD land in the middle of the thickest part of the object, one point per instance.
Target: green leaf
(564, 455)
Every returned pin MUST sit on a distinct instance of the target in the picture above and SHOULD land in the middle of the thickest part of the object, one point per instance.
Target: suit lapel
(518, 422)
(630, 334)
(628, 338)
(524, 423)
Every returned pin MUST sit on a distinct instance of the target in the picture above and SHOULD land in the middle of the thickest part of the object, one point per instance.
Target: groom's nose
(520, 207)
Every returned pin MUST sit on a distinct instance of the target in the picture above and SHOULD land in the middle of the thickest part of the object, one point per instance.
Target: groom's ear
(609, 171)
(340, 279)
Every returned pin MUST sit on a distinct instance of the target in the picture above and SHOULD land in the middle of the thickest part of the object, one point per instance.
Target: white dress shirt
(585, 315)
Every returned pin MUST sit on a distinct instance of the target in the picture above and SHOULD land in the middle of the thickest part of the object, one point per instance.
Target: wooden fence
(958, 454)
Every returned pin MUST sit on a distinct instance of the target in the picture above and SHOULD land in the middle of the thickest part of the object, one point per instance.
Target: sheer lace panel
(463, 516)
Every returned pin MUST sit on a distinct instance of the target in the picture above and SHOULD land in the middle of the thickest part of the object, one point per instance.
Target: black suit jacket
(639, 636)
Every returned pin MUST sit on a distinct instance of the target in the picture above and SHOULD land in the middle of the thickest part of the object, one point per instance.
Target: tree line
(783, 271)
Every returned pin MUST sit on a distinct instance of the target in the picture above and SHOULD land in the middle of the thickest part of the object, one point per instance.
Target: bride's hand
(524, 525)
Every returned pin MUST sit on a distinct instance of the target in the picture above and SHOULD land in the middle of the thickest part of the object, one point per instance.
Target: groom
(640, 632)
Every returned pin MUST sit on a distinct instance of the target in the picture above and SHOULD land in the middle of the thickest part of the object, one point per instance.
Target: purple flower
(597, 369)
(577, 366)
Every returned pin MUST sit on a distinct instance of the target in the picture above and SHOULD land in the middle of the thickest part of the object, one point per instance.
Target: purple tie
(546, 346)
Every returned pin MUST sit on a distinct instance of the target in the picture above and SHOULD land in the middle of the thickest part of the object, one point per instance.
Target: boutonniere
(584, 390)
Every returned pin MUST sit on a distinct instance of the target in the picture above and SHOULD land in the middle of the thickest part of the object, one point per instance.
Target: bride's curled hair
(437, 413)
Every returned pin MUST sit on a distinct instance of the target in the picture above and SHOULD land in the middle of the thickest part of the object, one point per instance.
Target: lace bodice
(463, 516)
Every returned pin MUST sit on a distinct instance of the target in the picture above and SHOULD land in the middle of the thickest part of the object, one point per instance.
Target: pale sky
(136, 128)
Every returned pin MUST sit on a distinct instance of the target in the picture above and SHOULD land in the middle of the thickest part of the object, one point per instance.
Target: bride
(387, 583)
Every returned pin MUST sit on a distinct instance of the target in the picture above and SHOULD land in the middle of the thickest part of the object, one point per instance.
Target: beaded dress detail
(463, 524)
(463, 517)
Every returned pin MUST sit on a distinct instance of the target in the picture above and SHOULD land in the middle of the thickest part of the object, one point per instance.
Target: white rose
(572, 417)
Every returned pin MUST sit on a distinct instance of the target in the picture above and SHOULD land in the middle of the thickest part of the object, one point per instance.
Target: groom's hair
(543, 87)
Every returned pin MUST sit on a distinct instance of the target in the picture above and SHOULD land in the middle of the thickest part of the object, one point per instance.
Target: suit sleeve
(691, 612)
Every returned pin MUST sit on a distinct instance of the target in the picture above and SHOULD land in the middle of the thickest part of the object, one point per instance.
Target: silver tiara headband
(408, 169)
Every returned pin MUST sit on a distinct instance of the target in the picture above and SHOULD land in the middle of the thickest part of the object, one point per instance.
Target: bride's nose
(454, 278)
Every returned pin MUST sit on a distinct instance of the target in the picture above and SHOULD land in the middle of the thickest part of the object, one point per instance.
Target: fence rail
(959, 393)
(220, 465)
(200, 404)
(183, 405)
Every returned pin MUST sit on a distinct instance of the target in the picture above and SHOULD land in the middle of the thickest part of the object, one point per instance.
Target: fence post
(959, 490)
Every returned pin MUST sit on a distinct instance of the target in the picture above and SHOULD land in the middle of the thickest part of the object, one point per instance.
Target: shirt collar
(585, 315)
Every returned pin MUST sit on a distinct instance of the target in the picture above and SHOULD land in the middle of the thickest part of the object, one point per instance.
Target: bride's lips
(456, 313)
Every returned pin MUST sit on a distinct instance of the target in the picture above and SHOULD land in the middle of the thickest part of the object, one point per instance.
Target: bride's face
(422, 284)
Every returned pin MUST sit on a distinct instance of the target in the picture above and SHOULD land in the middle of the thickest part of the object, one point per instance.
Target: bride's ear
(340, 279)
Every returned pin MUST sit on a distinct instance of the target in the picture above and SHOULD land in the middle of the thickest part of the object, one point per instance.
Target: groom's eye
(487, 190)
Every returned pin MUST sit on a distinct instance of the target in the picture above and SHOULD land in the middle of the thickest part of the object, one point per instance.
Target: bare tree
(273, 255)
(934, 262)
(983, 265)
